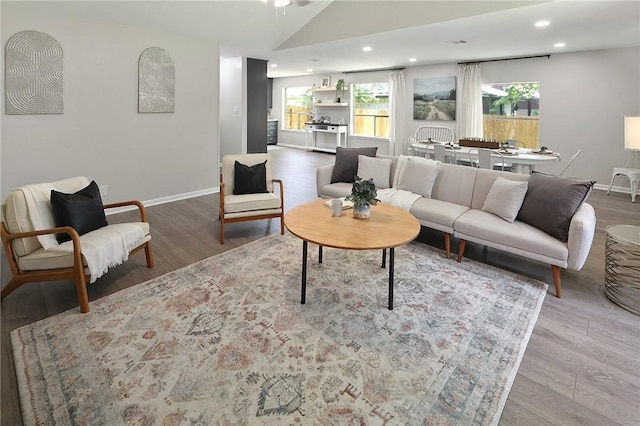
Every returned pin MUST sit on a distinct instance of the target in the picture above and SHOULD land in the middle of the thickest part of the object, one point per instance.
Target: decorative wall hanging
(434, 99)
(33, 74)
(156, 81)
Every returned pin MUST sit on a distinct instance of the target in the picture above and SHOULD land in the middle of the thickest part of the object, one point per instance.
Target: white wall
(232, 107)
(101, 134)
(584, 97)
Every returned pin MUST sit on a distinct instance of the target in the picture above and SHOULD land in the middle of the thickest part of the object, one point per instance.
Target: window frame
(286, 113)
(352, 130)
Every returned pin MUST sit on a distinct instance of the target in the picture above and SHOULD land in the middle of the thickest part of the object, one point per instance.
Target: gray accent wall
(256, 105)
(101, 135)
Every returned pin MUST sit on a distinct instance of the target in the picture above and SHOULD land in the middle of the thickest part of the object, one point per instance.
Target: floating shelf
(330, 104)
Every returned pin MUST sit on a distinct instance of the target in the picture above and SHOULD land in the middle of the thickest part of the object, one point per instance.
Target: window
(371, 110)
(511, 111)
(297, 108)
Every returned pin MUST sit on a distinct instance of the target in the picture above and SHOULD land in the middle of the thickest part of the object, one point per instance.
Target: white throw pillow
(505, 198)
(377, 168)
(419, 175)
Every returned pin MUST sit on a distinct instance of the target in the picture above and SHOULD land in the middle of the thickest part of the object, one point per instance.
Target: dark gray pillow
(83, 210)
(346, 166)
(551, 202)
(249, 179)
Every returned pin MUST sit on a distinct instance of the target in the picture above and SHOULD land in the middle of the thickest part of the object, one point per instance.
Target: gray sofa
(455, 207)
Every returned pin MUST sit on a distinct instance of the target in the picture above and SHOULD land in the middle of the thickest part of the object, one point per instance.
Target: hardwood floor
(582, 364)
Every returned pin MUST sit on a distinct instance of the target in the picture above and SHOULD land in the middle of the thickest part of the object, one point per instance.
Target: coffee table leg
(319, 254)
(304, 272)
(391, 252)
(384, 258)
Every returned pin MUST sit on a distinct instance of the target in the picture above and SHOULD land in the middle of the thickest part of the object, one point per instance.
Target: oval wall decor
(156, 81)
(33, 74)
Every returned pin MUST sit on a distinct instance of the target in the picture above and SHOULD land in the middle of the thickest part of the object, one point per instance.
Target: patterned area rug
(226, 341)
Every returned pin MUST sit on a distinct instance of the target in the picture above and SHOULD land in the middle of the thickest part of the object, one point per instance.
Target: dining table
(524, 160)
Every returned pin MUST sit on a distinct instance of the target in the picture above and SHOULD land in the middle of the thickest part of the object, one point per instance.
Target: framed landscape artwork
(434, 99)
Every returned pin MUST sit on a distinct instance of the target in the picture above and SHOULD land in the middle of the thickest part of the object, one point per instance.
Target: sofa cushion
(551, 202)
(437, 214)
(484, 181)
(251, 202)
(505, 198)
(517, 237)
(455, 184)
(378, 169)
(336, 190)
(42, 259)
(82, 210)
(419, 175)
(346, 166)
(249, 179)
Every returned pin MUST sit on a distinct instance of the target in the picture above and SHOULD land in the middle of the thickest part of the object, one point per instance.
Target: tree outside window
(371, 110)
(511, 112)
(297, 109)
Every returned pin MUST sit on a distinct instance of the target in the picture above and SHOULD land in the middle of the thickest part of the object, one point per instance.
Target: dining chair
(440, 153)
(573, 162)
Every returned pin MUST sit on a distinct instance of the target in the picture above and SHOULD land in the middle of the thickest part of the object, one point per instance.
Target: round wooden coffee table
(387, 228)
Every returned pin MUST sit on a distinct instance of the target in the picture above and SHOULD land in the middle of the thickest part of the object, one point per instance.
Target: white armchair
(29, 261)
(253, 206)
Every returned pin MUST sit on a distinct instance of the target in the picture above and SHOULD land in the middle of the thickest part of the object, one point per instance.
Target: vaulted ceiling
(328, 35)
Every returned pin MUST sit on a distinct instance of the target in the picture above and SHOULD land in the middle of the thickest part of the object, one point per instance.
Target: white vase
(361, 211)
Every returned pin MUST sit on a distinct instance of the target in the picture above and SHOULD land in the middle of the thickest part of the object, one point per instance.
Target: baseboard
(168, 199)
(292, 146)
(605, 187)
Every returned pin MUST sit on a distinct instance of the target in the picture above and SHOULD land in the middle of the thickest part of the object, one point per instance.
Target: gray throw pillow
(346, 166)
(551, 202)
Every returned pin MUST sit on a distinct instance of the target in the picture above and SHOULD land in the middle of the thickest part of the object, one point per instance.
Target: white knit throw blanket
(398, 197)
(102, 248)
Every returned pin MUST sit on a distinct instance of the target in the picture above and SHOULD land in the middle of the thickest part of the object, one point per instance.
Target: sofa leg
(463, 243)
(447, 244)
(556, 280)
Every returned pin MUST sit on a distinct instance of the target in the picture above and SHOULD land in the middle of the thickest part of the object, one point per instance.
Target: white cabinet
(313, 129)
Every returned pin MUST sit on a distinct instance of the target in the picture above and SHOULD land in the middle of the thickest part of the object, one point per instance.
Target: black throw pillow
(346, 166)
(83, 211)
(551, 202)
(249, 179)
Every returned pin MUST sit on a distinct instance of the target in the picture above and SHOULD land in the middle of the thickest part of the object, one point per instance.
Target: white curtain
(397, 113)
(469, 101)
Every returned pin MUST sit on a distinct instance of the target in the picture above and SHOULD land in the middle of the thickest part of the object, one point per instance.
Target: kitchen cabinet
(272, 132)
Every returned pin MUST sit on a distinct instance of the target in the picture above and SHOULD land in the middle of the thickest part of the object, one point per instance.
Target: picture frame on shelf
(326, 81)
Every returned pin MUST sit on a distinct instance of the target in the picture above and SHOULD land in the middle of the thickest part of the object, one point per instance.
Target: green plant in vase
(340, 89)
(363, 195)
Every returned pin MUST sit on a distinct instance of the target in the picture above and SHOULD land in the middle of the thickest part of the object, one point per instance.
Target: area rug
(226, 341)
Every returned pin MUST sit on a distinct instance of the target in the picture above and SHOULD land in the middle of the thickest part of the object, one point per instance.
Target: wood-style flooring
(582, 364)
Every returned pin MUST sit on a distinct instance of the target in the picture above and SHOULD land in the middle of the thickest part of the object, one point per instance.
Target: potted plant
(340, 89)
(363, 195)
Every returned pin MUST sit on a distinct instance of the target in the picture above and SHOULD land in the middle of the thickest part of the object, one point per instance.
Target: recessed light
(274, 65)
(541, 24)
(367, 49)
(559, 44)
(412, 59)
(309, 70)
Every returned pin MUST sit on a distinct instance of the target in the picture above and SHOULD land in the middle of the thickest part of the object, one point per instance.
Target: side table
(622, 266)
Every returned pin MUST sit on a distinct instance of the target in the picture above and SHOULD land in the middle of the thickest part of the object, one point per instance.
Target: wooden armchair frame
(253, 217)
(75, 273)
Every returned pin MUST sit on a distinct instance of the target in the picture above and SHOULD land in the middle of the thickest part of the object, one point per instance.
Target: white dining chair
(440, 153)
(573, 162)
